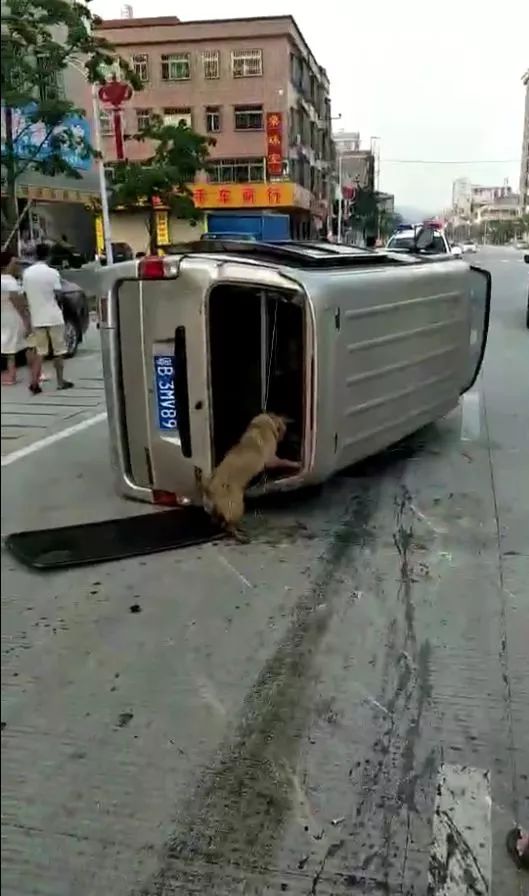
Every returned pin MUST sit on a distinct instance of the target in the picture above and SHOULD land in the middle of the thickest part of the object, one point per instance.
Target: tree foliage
(177, 154)
(40, 40)
(497, 231)
(369, 217)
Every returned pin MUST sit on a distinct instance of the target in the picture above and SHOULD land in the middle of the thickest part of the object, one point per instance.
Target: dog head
(279, 424)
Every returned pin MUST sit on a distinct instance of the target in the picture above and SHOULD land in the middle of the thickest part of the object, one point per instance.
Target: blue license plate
(164, 375)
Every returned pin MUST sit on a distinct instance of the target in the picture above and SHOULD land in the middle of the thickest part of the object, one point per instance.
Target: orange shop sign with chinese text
(244, 195)
(274, 144)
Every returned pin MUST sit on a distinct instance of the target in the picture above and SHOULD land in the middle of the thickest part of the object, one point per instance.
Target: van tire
(72, 337)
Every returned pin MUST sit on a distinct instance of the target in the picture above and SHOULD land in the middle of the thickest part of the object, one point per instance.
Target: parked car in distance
(120, 252)
(469, 246)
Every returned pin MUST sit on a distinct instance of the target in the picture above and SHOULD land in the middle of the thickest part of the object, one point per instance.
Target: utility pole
(103, 192)
(340, 197)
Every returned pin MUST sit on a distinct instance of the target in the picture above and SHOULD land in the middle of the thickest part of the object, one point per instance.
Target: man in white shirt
(42, 284)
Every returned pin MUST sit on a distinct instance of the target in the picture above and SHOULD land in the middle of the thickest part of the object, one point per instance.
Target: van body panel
(386, 351)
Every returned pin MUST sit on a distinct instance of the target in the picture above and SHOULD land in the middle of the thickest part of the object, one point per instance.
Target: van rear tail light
(157, 267)
(169, 499)
(151, 268)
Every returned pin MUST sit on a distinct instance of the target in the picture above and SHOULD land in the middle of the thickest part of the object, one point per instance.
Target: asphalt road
(340, 707)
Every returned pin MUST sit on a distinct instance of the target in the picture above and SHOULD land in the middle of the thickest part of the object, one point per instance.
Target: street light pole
(105, 214)
(98, 146)
(340, 196)
(330, 187)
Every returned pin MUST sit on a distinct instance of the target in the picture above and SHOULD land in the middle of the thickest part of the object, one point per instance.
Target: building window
(106, 125)
(211, 64)
(247, 63)
(177, 116)
(110, 172)
(212, 119)
(176, 67)
(248, 118)
(140, 66)
(143, 118)
(237, 171)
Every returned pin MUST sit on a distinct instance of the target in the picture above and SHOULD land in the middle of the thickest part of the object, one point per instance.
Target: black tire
(72, 337)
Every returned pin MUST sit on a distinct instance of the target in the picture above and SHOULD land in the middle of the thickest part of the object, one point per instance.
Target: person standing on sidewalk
(15, 317)
(42, 285)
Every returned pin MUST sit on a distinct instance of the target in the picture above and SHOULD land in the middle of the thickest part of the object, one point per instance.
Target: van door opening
(256, 340)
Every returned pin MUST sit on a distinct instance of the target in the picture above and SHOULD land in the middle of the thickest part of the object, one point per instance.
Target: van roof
(295, 253)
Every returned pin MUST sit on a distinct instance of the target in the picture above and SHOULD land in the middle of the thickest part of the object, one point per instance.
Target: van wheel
(71, 337)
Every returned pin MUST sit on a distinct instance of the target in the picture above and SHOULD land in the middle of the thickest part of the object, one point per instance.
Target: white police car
(404, 241)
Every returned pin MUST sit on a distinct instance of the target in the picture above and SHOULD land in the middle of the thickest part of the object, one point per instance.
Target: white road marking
(39, 445)
(207, 692)
(232, 569)
(461, 856)
(369, 698)
(435, 527)
(471, 416)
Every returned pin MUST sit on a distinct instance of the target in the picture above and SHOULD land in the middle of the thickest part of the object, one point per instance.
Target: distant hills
(412, 215)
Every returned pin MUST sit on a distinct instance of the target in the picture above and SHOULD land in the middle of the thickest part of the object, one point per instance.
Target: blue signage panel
(32, 138)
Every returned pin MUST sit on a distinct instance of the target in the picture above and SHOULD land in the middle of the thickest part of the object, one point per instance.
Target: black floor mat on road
(108, 540)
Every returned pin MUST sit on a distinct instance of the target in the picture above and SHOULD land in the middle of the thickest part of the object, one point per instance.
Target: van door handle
(181, 391)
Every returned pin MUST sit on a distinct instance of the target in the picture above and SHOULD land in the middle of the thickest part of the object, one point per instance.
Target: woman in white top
(15, 317)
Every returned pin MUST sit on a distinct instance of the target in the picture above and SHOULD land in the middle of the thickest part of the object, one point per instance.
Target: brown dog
(254, 452)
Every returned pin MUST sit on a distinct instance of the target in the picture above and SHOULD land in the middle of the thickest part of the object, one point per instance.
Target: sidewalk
(27, 418)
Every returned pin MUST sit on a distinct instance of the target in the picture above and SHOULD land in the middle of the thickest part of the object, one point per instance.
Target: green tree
(178, 154)
(388, 223)
(40, 39)
(500, 231)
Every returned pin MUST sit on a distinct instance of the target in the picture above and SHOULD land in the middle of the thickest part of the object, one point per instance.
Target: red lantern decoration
(115, 93)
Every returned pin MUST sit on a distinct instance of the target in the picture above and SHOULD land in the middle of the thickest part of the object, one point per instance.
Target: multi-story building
(506, 208)
(468, 198)
(385, 202)
(524, 169)
(60, 204)
(356, 167)
(232, 79)
(486, 195)
(462, 198)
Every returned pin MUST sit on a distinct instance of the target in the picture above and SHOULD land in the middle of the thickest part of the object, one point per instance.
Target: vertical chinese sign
(100, 237)
(161, 218)
(274, 144)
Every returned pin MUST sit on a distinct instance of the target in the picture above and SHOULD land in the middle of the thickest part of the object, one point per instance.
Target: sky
(438, 82)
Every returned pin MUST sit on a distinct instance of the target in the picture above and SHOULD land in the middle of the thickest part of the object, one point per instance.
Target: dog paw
(239, 535)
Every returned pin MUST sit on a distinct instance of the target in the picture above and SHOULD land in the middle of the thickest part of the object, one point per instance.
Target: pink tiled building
(225, 78)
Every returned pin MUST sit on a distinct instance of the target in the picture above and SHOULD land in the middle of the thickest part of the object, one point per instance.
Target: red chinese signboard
(274, 144)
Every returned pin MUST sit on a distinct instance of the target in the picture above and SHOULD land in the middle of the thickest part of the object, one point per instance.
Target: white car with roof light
(405, 241)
